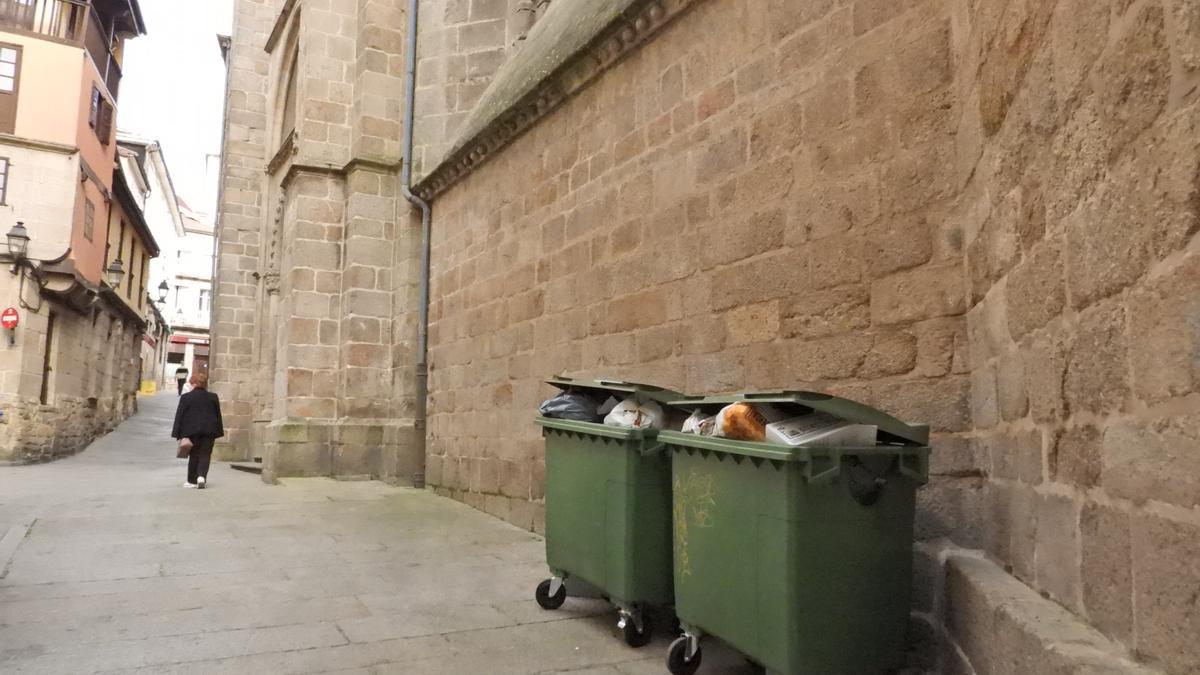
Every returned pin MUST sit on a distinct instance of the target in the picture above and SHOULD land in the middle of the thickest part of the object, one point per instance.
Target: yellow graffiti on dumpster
(694, 499)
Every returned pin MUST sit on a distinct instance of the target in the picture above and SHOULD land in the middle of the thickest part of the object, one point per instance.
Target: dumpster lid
(890, 428)
(612, 386)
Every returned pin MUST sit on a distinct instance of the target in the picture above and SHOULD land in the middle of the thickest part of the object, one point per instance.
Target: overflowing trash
(764, 423)
(821, 429)
(699, 423)
(634, 414)
(741, 421)
(584, 405)
(571, 405)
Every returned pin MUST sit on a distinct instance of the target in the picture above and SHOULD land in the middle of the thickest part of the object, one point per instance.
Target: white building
(181, 277)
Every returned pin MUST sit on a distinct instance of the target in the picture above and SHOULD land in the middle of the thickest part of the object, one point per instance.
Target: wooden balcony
(73, 22)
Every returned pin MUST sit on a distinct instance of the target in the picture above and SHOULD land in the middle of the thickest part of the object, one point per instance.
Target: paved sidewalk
(118, 568)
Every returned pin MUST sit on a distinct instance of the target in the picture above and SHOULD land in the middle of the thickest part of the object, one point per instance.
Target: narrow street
(109, 565)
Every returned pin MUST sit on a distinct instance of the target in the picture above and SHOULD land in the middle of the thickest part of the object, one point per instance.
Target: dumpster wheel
(629, 629)
(678, 662)
(548, 601)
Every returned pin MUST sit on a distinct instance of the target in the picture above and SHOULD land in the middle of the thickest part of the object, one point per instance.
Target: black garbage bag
(571, 405)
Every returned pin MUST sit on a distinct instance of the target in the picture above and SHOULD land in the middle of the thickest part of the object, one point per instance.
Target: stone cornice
(33, 144)
(358, 164)
(300, 168)
(627, 29)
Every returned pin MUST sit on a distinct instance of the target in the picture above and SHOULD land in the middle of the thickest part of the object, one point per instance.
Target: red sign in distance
(9, 318)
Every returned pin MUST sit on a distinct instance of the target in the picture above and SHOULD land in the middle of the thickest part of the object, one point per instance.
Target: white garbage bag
(633, 414)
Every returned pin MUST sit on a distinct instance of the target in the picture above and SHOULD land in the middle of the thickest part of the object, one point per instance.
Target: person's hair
(200, 380)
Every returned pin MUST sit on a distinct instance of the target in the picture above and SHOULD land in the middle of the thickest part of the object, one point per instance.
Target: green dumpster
(608, 509)
(799, 557)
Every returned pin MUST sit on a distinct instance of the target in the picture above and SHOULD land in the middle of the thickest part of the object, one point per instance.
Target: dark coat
(198, 414)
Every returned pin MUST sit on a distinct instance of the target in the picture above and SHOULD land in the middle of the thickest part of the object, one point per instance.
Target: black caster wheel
(547, 601)
(677, 661)
(630, 632)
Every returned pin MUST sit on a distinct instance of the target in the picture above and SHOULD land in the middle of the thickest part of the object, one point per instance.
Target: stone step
(997, 624)
(247, 467)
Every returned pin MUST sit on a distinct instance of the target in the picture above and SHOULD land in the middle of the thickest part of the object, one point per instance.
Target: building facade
(75, 255)
(188, 307)
(180, 279)
(978, 214)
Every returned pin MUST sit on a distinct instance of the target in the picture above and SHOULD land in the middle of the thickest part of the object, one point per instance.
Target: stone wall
(979, 215)
(239, 302)
(314, 322)
(93, 381)
(1082, 267)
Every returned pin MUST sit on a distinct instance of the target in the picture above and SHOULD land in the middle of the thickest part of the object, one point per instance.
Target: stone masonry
(92, 383)
(978, 214)
(309, 244)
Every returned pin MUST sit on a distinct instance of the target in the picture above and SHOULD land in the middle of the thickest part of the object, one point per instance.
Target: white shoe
(200, 483)
(189, 485)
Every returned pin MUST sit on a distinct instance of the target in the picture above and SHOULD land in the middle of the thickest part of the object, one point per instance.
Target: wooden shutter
(105, 122)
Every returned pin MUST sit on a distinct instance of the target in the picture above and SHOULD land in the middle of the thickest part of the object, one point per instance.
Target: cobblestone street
(113, 567)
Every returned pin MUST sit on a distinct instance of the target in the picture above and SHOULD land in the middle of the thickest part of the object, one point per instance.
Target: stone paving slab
(113, 567)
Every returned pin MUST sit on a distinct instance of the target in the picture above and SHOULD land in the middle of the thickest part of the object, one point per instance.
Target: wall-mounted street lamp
(18, 254)
(115, 272)
(18, 242)
(163, 289)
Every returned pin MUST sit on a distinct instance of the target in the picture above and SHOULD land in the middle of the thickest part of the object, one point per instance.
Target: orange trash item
(740, 421)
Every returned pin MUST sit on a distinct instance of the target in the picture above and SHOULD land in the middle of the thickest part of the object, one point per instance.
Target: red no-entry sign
(9, 318)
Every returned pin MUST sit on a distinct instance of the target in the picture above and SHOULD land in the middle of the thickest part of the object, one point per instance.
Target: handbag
(185, 448)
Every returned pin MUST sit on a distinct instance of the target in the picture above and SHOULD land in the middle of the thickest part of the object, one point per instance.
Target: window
(204, 299)
(94, 113)
(10, 56)
(89, 219)
(4, 165)
(131, 275)
(10, 84)
(100, 117)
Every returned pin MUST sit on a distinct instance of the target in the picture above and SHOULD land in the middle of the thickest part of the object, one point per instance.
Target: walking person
(198, 418)
(181, 378)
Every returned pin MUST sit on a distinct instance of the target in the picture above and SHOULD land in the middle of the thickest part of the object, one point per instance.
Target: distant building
(181, 278)
(189, 302)
(77, 249)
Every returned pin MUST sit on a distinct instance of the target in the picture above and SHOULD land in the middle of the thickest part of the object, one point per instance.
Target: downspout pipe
(410, 90)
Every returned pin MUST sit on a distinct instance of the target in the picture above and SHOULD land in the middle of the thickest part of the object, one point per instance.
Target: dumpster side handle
(652, 448)
(823, 468)
(913, 465)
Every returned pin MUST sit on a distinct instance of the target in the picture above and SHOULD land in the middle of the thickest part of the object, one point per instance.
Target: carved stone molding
(287, 150)
(274, 243)
(485, 134)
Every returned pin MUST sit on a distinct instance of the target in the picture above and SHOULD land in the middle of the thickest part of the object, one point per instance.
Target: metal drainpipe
(410, 88)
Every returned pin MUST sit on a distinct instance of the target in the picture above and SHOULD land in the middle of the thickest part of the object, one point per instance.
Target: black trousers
(200, 456)
(181, 383)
